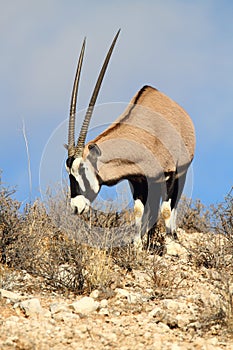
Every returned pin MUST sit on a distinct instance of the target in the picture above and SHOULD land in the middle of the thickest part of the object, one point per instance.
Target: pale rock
(213, 341)
(122, 292)
(111, 337)
(158, 340)
(85, 305)
(9, 295)
(163, 327)
(182, 320)
(203, 344)
(65, 316)
(171, 321)
(46, 313)
(13, 318)
(116, 313)
(104, 311)
(231, 288)
(150, 291)
(103, 303)
(11, 341)
(157, 313)
(132, 298)
(176, 346)
(11, 321)
(57, 307)
(174, 248)
(31, 307)
(141, 277)
(174, 305)
(83, 328)
(95, 294)
(196, 325)
(147, 335)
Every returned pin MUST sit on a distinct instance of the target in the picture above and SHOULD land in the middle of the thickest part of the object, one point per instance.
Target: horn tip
(118, 32)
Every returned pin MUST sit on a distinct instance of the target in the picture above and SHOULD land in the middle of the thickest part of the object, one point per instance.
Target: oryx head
(83, 174)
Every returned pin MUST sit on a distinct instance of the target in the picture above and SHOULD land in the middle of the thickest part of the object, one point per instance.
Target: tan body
(154, 134)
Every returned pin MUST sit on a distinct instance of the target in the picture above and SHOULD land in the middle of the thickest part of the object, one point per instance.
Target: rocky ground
(181, 300)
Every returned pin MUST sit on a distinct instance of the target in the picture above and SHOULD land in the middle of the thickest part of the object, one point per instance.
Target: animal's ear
(94, 150)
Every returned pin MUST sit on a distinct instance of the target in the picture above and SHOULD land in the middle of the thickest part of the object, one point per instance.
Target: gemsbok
(151, 144)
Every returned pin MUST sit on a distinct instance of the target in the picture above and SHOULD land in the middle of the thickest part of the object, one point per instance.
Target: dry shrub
(220, 314)
(214, 246)
(44, 250)
(9, 219)
(222, 216)
(98, 268)
(193, 216)
(210, 250)
(68, 252)
(167, 279)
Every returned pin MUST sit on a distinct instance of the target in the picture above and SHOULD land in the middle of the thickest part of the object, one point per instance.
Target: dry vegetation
(68, 255)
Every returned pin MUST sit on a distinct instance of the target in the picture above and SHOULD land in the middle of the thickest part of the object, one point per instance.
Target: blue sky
(184, 48)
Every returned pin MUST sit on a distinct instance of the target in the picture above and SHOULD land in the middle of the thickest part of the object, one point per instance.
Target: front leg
(169, 216)
(139, 188)
(166, 214)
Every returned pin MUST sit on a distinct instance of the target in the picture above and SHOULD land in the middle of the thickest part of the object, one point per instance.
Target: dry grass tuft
(193, 216)
(167, 280)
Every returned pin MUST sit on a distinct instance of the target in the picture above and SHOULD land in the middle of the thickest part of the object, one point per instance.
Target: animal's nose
(81, 212)
(75, 211)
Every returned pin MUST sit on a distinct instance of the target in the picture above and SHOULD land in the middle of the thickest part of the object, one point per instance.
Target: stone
(57, 307)
(104, 311)
(11, 321)
(183, 320)
(122, 292)
(10, 295)
(132, 298)
(31, 307)
(65, 316)
(85, 305)
(175, 249)
(103, 303)
(174, 305)
(95, 294)
(157, 313)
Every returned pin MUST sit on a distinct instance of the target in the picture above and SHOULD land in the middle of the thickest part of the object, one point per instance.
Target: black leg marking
(139, 188)
(175, 186)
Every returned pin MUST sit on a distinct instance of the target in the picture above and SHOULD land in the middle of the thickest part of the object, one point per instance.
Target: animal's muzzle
(79, 204)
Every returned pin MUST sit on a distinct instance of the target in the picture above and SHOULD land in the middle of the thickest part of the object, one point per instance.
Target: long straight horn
(71, 130)
(86, 122)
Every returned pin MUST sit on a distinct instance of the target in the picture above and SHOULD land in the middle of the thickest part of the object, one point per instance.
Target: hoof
(172, 235)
